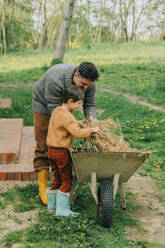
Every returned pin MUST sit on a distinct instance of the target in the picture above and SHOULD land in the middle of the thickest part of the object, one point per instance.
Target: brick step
(24, 169)
(5, 102)
(10, 140)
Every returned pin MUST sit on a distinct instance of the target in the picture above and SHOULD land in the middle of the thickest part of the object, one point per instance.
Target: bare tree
(5, 23)
(64, 31)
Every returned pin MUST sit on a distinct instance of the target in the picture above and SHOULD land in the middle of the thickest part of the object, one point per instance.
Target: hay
(106, 140)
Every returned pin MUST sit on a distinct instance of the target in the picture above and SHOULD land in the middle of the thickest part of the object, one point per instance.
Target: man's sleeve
(54, 91)
(89, 103)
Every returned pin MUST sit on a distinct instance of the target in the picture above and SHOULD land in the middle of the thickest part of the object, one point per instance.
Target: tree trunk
(64, 31)
(3, 28)
(44, 37)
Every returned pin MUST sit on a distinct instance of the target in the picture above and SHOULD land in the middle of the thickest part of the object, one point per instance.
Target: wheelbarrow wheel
(105, 203)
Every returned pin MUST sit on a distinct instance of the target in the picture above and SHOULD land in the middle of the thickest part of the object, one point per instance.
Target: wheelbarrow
(109, 170)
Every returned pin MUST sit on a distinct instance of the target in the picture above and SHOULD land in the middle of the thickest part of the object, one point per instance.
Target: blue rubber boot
(51, 196)
(62, 204)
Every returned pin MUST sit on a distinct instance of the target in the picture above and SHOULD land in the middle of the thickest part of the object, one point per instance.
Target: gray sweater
(49, 90)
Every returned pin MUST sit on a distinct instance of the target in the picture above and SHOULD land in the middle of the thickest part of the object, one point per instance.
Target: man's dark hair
(73, 92)
(88, 70)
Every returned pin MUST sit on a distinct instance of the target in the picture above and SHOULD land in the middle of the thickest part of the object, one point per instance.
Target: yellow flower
(79, 226)
(43, 228)
(156, 165)
(142, 138)
(81, 245)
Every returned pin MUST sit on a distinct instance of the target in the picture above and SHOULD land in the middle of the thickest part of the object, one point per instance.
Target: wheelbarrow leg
(93, 186)
(122, 195)
(115, 184)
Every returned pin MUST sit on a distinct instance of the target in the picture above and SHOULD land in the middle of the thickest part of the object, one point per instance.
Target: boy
(62, 128)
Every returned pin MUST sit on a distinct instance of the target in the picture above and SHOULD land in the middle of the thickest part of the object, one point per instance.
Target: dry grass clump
(106, 140)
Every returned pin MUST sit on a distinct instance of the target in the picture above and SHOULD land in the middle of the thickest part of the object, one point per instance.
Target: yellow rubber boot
(42, 178)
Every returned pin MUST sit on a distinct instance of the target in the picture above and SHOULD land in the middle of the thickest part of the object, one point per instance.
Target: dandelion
(142, 138)
(156, 165)
(79, 226)
(43, 228)
(81, 245)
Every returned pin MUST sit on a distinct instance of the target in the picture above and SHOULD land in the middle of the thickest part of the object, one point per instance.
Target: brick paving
(5, 102)
(23, 169)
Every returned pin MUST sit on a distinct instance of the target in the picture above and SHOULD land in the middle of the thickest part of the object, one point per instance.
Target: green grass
(26, 198)
(82, 231)
(21, 98)
(136, 68)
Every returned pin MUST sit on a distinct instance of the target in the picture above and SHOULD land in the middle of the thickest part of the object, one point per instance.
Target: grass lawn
(137, 68)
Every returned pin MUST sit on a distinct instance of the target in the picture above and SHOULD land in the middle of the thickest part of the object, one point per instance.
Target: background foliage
(36, 23)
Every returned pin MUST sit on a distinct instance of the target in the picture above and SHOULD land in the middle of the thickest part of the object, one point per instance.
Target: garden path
(136, 99)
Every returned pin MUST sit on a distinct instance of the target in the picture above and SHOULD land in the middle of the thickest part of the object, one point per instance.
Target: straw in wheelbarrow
(106, 140)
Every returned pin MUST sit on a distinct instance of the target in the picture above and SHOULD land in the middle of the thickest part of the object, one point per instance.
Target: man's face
(81, 82)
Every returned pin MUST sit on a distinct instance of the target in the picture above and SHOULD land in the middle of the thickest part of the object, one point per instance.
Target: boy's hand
(82, 123)
(96, 130)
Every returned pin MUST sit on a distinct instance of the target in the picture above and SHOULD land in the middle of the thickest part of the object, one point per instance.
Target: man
(47, 95)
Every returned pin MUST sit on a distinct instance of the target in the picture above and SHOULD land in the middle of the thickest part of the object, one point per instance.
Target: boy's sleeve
(72, 126)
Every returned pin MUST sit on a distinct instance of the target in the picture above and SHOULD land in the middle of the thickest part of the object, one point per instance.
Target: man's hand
(91, 118)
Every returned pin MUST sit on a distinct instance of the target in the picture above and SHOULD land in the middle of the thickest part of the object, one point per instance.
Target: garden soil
(150, 212)
(11, 221)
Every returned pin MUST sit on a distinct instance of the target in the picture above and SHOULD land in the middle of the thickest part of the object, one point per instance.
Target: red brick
(25, 176)
(3, 176)
(11, 176)
(4, 158)
(11, 157)
(18, 176)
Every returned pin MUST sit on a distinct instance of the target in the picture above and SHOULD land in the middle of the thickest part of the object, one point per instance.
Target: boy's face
(72, 106)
